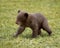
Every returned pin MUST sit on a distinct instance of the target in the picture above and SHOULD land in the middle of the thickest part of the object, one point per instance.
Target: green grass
(8, 13)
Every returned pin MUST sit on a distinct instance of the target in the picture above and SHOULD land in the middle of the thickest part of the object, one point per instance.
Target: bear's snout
(17, 23)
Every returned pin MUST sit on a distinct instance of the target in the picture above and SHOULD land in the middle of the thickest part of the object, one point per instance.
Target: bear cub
(35, 21)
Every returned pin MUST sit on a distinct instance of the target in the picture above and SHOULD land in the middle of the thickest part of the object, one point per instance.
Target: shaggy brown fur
(35, 21)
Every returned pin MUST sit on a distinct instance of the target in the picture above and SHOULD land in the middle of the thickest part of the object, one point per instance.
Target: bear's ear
(18, 11)
(26, 15)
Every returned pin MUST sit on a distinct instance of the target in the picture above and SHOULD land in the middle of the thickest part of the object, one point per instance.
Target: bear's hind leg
(46, 27)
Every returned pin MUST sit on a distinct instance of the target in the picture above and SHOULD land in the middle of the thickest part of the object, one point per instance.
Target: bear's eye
(20, 18)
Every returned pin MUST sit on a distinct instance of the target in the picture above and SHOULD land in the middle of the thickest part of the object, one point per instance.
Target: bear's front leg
(35, 32)
(19, 31)
(39, 32)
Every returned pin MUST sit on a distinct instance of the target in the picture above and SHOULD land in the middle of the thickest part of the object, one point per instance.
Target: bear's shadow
(30, 36)
(27, 36)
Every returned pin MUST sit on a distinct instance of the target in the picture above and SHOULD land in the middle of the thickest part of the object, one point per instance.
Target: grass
(8, 13)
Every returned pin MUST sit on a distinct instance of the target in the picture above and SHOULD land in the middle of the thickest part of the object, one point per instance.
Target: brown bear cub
(35, 21)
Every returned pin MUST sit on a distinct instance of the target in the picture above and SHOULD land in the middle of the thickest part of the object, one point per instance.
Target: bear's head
(21, 17)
